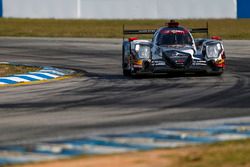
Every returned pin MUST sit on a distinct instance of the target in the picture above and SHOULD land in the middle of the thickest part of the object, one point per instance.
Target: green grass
(227, 154)
(227, 28)
(6, 69)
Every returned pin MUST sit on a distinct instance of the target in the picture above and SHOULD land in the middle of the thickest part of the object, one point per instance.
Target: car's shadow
(144, 76)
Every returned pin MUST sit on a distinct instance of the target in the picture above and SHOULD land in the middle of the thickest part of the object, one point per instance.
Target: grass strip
(226, 154)
(226, 28)
(8, 69)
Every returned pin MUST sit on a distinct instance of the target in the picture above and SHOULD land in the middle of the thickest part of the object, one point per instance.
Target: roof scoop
(172, 24)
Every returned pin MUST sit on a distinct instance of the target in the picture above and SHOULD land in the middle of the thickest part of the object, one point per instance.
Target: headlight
(137, 48)
(213, 51)
(144, 52)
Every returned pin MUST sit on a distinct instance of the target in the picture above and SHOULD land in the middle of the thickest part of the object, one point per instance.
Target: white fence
(40, 8)
(120, 9)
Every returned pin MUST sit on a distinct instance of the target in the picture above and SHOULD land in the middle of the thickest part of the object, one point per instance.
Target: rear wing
(200, 30)
(127, 32)
(152, 31)
(131, 32)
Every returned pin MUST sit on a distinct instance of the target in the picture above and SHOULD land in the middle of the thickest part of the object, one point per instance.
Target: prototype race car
(172, 49)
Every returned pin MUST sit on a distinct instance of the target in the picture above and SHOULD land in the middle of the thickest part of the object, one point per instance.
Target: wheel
(126, 73)
(218, 72)
(201, 73)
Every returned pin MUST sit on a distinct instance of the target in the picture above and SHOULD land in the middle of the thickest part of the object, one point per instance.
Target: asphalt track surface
(103, 101)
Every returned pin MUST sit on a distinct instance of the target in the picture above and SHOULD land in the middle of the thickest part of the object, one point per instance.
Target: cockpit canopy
(173, 36)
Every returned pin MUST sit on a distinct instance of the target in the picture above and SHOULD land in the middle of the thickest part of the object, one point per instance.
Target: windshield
(174, 37)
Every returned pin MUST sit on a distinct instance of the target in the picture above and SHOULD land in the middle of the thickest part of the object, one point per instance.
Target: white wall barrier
(40, 8)
(120, 9)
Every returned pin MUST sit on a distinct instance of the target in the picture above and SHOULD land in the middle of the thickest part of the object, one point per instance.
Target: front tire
(218, 72)
(126, 73)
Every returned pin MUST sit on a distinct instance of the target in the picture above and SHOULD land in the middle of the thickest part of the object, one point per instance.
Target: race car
(171, 50)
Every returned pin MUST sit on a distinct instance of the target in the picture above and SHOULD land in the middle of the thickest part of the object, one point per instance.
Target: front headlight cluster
(214, 50)
(143, 51)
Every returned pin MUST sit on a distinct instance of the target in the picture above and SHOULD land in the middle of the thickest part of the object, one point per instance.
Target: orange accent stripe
(137, 62)
(220, 63)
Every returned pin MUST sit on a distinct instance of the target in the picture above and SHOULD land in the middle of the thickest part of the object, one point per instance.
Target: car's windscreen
(174, 37)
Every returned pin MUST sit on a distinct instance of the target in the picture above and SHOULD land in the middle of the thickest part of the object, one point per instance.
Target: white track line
(53, 71)
(16, 79)
(3, 83)
(31, 76)
(44, 73)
